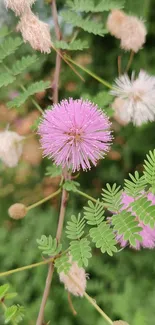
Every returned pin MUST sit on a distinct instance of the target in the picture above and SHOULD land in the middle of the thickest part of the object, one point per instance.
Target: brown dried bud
(17, 211)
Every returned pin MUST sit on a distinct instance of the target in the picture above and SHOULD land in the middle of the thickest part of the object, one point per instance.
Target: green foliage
(75, 227)
(49, 246)
(23, 64)
(80, 251)
(94, 213)
(144, 210)
(125, 225)
(53, 170)
(103, 99)
(4, 31)
(149, 167)
(34, 88)
(70, 185)
(3, 290)
(62, 264)
(93, 27)
(134, 186)
(112, 197)
(76, 45)
(9, 46)
(91, 6)
(6, 79)
(14, 314)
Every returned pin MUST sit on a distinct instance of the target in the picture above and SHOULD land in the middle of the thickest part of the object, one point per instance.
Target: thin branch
(130, 61)
(71, 304)
(52, 195)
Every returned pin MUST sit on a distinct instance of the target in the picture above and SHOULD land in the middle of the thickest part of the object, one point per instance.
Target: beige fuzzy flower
(75, 275)
(133, 34)
(17, 211)
(18, 6)
(35, 31)
(11, 147)
(120, 322)
(114, 22)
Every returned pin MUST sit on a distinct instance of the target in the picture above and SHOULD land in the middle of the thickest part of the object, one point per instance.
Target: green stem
(44, 200)
(102, 81)
(93, 303)
(86, 196)
(27, 267)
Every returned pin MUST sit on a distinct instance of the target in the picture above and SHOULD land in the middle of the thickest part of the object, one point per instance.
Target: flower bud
(35, 32)
(120, 322)
(17, 211)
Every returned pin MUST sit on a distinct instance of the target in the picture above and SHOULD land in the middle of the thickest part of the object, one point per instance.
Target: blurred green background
(124, 285)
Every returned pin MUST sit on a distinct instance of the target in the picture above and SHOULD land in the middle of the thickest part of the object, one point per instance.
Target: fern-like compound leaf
(49, 246)
(15, 314)
(104, 238)
(75, 227)
(94, 213)
(23, 64)
(62, 264)
(81, 251)
(3, 290)
(112, 197)
(91, 6)
(135, 185)
(53, 171)
(87, 25)
(9, 46)
(6, 79)
(149, 169)
(73, 46)
(125, 225)
(145, 211)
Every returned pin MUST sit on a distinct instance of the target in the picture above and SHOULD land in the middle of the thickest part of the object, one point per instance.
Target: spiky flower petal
(11, 147)
(35, 32)
(75, 133)
(19, 6)
(139, 97)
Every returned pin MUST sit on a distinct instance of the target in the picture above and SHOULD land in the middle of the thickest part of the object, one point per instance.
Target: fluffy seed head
(139, 97)
(78, 275)
(18, 6)
(120, 322)
(147, 233)
(114, 22)
(11, 147)
(17, 211)
(75, 133)
(35, 32)
(133, 34)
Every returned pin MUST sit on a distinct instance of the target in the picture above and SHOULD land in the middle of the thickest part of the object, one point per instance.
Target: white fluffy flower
(114, 22)
(139, 98)
(11, 147)
(133, 34)
(120, 114)
(18, 6)
(35, 31)
(78, 275)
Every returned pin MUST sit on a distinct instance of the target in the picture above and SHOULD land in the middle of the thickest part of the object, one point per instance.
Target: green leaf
(134, 186)
(18, 101)
(104, 238)
(70, 185)
(75, 227)
(112, 197)
(3, 290)
(53, 171)
(73, 46)
(4, 31)
(15, 314)
(149, 167)
(6, 79)
(49, 246)
(94, 213)
(10, 295)
(34, 126)
(91, 6)
(81, 251)
(9, 46)
(93, 27)
(145, 211)
(62, 264)
(125, 225)
(23, 64)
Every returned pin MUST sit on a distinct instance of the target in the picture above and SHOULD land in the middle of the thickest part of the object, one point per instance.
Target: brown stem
(119, 65)
(71, 304)
(64, 193)
(130, 60)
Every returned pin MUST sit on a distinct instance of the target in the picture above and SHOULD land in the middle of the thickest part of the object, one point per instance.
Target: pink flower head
(147, 233)
(74, 134)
